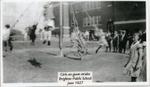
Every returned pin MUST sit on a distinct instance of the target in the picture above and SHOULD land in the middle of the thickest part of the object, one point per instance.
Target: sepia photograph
(73, 42)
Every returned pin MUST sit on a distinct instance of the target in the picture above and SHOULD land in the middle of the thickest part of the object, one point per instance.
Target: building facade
(129, 15)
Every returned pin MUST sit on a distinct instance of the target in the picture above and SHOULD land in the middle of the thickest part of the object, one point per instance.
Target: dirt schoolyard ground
(106, 66)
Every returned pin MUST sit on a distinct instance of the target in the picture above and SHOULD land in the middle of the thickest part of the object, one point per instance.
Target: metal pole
(61, 32)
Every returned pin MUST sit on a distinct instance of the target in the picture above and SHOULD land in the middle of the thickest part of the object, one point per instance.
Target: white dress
(26, 33)
(102, 40)
(134, 66)
(48, 34)
(50, 23)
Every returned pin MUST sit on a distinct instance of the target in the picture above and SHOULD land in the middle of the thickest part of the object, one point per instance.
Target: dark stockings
(98, 48)
(133, 79)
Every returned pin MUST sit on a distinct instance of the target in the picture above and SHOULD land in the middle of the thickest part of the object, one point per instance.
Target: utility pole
(61, 31)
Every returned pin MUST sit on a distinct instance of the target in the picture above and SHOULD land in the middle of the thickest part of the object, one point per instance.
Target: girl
(102, 40)
(7, 38)
(134, 64)
(115, 41)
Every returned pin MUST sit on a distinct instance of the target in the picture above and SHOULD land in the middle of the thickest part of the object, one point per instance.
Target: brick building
(129, 15)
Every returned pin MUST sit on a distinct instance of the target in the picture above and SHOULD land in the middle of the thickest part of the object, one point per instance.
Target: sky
(32, 13)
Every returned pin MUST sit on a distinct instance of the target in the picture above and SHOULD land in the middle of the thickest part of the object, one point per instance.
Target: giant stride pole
(61, 31)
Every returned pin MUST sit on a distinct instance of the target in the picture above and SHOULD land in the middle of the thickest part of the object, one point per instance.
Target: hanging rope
(81, 45)
(21, 15)
(75, 20)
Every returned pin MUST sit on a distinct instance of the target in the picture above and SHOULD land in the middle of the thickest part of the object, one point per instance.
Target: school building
(129, 15)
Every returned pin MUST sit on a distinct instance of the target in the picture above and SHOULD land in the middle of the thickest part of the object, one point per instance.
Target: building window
(89, 6)
(92, 20)
(96, 20)
(86, 21)
(99, 4)
(85, 6)
(93, 5)
(96, 4)
(99, 19)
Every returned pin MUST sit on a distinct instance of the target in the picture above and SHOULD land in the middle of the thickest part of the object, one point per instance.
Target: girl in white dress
(49, 27)
(134, 64)
(102, 40)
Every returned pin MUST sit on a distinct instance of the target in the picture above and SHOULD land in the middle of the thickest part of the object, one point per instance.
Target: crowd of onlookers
(118, 41)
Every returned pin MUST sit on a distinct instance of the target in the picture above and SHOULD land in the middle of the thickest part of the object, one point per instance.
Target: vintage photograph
(42, 38)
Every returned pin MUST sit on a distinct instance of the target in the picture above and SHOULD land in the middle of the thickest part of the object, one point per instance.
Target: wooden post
(61, 32)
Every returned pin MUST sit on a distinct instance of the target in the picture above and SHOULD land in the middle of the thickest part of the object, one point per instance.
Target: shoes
(11, 48)
(96, 51)
(44, 41)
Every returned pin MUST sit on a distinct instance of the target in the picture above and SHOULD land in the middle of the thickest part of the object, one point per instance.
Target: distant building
(125, 14)
(129, 15)
(92, 13)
